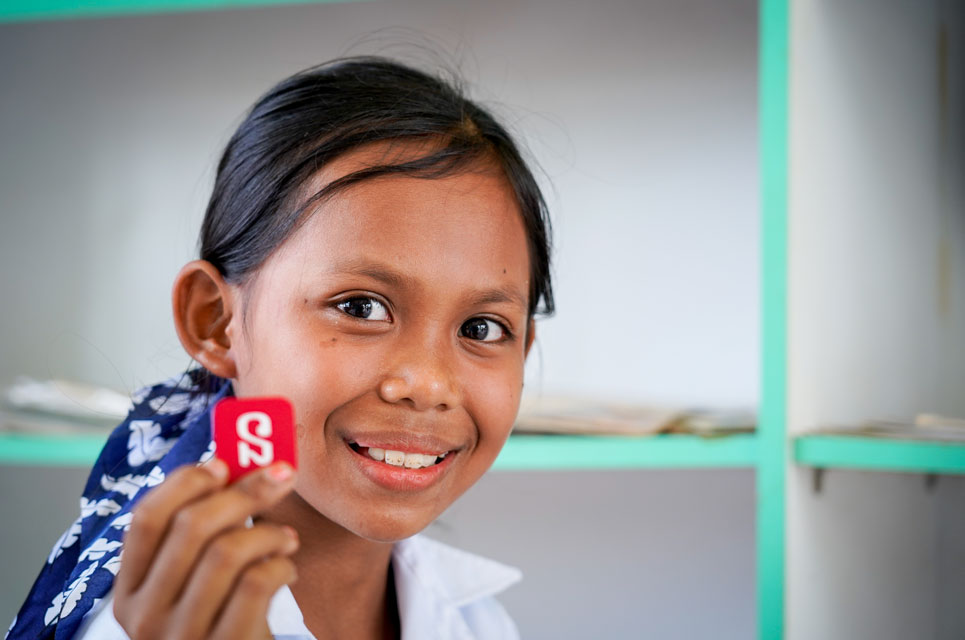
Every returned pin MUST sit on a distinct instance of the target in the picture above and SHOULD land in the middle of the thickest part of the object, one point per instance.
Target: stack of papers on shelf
(581, 416)
(927, 426)
(716, 422)
(568, 415)
(60, 406)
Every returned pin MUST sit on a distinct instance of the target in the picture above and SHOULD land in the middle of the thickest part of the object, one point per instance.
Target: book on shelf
(38, 423)
(926, 426)
(58, 407)
(564, 415)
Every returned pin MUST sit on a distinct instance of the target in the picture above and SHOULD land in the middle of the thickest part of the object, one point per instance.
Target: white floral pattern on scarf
(168, 426)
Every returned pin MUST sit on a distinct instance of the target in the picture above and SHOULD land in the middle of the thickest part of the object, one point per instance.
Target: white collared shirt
(443, 593)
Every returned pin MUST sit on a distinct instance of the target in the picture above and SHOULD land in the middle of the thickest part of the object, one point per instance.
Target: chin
(379, 521)
(387, 529)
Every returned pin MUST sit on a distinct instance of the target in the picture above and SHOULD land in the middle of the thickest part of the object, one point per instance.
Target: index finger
(152, 516)
(195, 525)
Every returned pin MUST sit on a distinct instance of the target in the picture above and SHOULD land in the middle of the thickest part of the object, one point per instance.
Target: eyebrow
(394, 278)
(375, 270)
(501, 294)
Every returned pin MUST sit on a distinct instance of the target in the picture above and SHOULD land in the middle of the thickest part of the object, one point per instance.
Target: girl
(375, 250)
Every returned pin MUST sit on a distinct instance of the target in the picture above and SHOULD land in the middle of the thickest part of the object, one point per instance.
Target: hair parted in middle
(321, 113)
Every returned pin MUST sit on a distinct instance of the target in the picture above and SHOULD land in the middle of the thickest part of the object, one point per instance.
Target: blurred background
(643, 118)
(112, 128)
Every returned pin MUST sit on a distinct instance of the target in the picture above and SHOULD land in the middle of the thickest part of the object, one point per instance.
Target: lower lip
(399, 478)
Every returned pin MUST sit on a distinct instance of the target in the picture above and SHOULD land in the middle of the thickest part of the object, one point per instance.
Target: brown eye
(483, 330)
(364, 308)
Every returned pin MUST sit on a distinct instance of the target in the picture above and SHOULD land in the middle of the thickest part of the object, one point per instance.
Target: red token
(250, 433)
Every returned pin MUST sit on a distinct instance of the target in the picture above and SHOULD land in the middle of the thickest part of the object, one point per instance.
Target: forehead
(467, 225)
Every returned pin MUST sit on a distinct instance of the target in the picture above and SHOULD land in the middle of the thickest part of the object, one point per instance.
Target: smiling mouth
(408, 460)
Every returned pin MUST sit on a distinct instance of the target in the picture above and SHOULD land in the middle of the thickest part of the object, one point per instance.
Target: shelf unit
(770, 452)
(521, 453)
(880, 454)
(765, 452)
(875, 288)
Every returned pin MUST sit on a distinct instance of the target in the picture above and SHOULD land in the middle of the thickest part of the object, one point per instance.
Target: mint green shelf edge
(878, 454)
(773, 56)
(53, 450)
(558, 452)
(522, 452)
(27, 10)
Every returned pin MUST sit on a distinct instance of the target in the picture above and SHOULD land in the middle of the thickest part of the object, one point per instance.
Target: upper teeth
(400, 458)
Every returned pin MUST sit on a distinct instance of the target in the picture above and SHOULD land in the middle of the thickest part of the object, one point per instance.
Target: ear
(203, 305)
(530, 336)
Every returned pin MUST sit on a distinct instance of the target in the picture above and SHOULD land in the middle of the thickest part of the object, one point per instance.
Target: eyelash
(507, 334)
(343, 304)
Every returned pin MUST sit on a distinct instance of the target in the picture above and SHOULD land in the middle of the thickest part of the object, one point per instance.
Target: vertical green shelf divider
(773, 56)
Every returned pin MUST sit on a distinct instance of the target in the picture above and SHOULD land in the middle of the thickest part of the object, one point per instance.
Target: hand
(190, 567)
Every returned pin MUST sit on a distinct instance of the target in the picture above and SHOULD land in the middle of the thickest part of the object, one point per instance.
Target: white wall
(877, 309)
(667, 555)
(643, 115)
(646, 130)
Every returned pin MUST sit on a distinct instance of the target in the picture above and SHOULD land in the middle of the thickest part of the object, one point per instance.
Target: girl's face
(395, 319)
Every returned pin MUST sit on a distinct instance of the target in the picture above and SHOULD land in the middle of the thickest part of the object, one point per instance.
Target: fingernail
(291, 533)
(280, 472)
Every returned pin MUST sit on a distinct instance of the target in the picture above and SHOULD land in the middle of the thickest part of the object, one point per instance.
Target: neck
(343, 587)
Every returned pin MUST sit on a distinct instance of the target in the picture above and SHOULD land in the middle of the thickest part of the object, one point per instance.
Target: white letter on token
(262, 430)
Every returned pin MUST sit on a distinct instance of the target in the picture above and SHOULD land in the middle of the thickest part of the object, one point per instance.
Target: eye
(364, 308)
(483, 330)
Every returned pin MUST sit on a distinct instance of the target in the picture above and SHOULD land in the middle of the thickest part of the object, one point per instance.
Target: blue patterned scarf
(168, 427)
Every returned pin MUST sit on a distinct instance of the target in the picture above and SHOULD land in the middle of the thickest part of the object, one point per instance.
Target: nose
(421, 376)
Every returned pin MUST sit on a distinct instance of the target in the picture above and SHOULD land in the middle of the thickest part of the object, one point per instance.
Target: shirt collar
(433, 581)
(454, 576)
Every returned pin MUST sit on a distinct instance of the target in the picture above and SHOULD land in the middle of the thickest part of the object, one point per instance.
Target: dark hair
(318, 114)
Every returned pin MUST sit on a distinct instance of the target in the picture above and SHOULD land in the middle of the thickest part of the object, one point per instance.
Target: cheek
(495, 402)
(323, 379)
